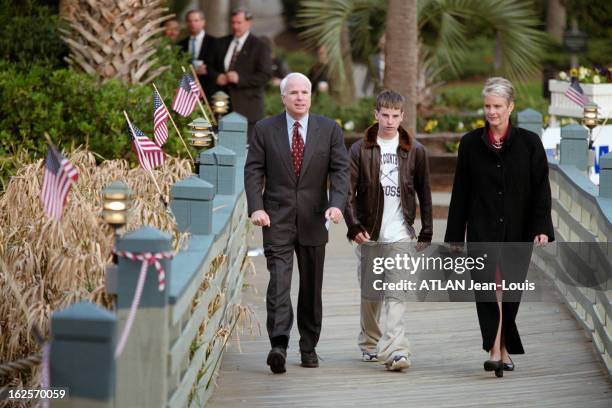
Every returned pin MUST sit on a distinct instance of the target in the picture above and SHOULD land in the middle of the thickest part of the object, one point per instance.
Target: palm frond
(322, 23)
(515, 21)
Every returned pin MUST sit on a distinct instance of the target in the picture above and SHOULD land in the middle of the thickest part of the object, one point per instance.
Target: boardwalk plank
(560, 368)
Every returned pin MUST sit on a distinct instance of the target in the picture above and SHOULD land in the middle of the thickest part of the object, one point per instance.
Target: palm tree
(115, 39)
(401, 53)
(514, 21)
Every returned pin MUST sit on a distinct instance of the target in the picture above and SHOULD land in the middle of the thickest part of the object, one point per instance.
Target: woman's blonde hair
(499, 86)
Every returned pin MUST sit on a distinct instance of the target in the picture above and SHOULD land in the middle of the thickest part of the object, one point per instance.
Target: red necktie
(297, 148)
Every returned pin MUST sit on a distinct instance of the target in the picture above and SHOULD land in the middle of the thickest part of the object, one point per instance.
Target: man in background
(172, 30)
(202, 48)
(245, 67)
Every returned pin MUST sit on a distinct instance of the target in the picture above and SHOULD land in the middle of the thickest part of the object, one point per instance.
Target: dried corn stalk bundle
(47, 265)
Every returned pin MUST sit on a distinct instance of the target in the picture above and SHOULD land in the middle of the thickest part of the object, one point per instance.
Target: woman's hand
(540, 240)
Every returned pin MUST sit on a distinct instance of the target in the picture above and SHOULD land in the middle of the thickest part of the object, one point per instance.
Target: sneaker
(368, 357)
(399, 363)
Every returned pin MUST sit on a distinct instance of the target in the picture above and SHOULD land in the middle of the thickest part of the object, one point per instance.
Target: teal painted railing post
(218, 167)
(192, 205)
(81, 356)
(605, 176)
(531, 120)
(233, 133)
(574, 146)
(143, 365)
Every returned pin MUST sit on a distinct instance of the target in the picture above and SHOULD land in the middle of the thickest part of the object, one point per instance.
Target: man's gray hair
(499, 86)
(283, 83)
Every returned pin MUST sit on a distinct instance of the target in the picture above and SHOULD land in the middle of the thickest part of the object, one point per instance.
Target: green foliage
(76, 110)
(593, 16)
(478, 61)
(444, 27)
(298, 61)
(290, 9)
(29, 34)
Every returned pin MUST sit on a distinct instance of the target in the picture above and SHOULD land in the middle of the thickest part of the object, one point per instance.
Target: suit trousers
(310, 260)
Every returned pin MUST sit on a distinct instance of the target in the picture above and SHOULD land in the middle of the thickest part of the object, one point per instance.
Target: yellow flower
(430, 125)
(573, 72)
(478, 124)
(339, 122)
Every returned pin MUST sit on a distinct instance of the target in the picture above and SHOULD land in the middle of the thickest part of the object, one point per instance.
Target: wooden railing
(179, 332)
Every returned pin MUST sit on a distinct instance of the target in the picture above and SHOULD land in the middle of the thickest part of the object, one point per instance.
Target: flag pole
(173, 123)
(195, 76)
(199, 103)
(161, 196)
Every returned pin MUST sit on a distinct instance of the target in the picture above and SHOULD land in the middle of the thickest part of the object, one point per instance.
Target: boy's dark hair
(390, 100)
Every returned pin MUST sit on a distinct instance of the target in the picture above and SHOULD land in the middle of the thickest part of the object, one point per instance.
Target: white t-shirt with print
(392, 228)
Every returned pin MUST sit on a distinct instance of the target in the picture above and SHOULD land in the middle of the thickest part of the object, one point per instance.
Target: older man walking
(290, 160)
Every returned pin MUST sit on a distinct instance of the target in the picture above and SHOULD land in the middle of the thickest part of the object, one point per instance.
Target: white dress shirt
(230, 51)
(196, 47)
(303, 128)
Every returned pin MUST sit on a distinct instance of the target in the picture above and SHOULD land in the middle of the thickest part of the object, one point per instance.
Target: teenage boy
(388, 166)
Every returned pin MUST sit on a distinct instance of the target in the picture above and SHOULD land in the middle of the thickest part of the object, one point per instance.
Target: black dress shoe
(509, 366)
(495, 365)
(276, 360)
(310, 359)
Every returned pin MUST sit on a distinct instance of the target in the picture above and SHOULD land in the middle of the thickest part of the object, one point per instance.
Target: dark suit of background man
(202, 47)
(289, 161)
(245, 65)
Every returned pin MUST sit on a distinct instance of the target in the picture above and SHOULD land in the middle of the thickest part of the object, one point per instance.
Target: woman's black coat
(501, 196)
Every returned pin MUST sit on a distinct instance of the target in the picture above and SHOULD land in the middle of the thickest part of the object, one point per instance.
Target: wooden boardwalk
(560, 368)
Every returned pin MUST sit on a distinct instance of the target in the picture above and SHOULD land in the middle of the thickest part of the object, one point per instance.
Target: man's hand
(334, 214)
(420, 246)
(232, 77)
(222, 80)
(260, 218)
(541, 240)
(201, 70)
(362, 237)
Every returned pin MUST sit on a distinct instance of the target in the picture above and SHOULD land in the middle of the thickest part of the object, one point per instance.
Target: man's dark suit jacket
(296, 206)
(254, 68)
(208, 54)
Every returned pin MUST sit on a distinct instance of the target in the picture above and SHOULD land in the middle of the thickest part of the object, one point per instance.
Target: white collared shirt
(230, 49)
(303, 128)
(199, 39)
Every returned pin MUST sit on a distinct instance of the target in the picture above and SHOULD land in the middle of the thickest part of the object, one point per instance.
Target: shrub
(77, 110)
(29, 34)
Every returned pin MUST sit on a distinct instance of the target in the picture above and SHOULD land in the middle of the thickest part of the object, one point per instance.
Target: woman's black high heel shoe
(497, 366)
(509, 366)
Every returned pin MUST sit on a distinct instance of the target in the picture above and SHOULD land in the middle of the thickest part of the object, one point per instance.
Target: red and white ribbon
(147, 258)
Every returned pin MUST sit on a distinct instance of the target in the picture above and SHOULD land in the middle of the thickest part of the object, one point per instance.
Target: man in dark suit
(290, 159)
(246, 66)
(202, 47)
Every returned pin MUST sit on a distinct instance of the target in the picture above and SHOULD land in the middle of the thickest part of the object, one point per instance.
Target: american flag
(575, 93)
(186, 97)
(58, 179)
(160, 117)
(148, 153)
